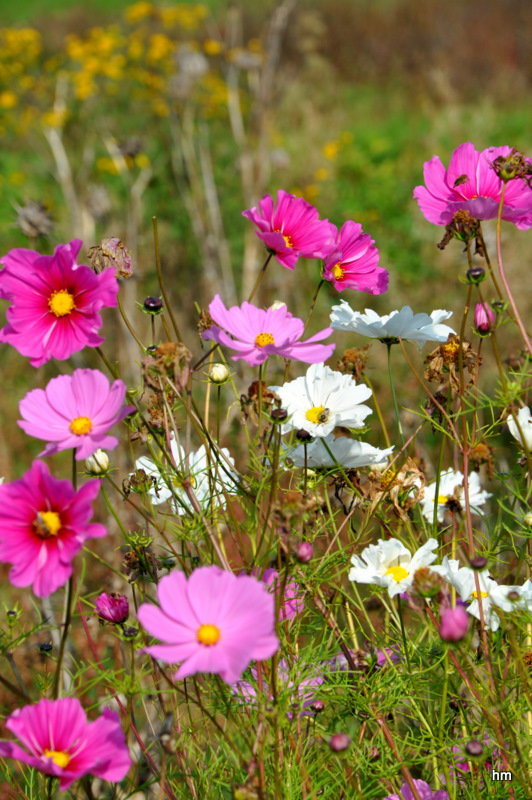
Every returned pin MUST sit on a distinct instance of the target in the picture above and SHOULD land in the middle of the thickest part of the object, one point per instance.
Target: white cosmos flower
(322, 400)
(452, 488)
(391, 565)
(525, 423)
(418, 328)
(209, 477)
(492, 594)
(349, 453)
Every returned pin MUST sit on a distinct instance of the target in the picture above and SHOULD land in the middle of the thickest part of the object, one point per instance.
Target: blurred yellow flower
(138, 12)
(330, 150)
(8, 99)
(212, 47)
(322, 174)
(142, 161)
(104, 164)
(54, 119)
(17, 178)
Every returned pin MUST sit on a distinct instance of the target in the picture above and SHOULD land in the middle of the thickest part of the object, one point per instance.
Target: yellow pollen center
(208, 634)
(442, 499)
(287, 239)
(397, 573)
(48, 523)
(338, 272)
(58, 757)
(474, 595)
(263, 339)
(314, 414)
(61, 303)
(450, 350)
(80, 425)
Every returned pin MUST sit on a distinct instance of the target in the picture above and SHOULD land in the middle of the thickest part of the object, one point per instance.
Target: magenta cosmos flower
(60, 742)
(112, 608)
(54, 302)
(353, 263)
(43, 525)
(472, 184)
(423, 789)
(291, 230)
(213, 621)
(257, 334)
(75, 411)
(484, 318)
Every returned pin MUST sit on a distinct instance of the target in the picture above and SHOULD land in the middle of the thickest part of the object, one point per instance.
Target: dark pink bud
(339, 742)
(112, 607)
(483, 318)
(304, 552)
(454, 624)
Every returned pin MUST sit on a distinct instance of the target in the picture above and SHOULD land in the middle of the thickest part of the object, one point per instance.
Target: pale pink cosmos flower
(58, 740)
(471, 184)
(256, 333)
(291, 230)
(298, 685)
(213, 621)
(75, 411)
(54, 302)
(43, 525)
(292, 602)
(353, 262)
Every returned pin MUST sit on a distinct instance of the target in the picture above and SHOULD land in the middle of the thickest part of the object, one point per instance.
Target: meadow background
(113, 113)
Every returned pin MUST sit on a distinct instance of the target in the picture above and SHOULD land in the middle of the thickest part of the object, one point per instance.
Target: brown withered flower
(205, 321)
(354, 361)
(443, 362)
(34, 219)
(156, 406)
(168, 360)
(251, 402)
(404, 487)
(426, 583)
(527, 658)
(463, 227)
(482, 453)
(111, 253)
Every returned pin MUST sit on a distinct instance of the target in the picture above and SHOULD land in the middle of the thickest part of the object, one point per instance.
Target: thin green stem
(260, 276)
(66, 627)
(160, 279)
(394, 397)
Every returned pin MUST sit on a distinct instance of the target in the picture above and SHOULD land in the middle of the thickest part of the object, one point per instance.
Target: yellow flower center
(47, 523)
(442, 499)
(397, 573)
(450, 350)
(61, 303)
(263, 339)
(287, 239)
(80, 425)
(474, 595)
(59, 757)
(208, 634)
(338, 271)
(317, 414)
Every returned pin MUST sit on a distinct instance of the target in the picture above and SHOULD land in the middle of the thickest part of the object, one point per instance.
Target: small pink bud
(454, 624)
(339, 742)
(304, 552)
(112, 607)
(484, 318)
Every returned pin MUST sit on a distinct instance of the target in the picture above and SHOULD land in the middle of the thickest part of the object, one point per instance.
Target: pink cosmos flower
(292, 603)
(471, 184)
(300, 687)
(112, 608)
(54, 302)
(454, 624)
(257, 334)
(353, 262)
(484, 318)
(293, 229)
(43, 525)
(423, 789)
(60, 742)
(75, 411)
(213, 621)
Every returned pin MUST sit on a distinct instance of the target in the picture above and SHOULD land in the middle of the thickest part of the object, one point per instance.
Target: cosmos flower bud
(112, 608)
(454, 624)
(475, 274)
(304, 552)
(279, 414)
(317, 706)
(153, 305)
(474, 748)
(339, 742)
(527, 519)
(278, 304)
(484, 319)
(426, 583)
(98, 463)
(478, 562)
(218, 374)
(303, 436)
